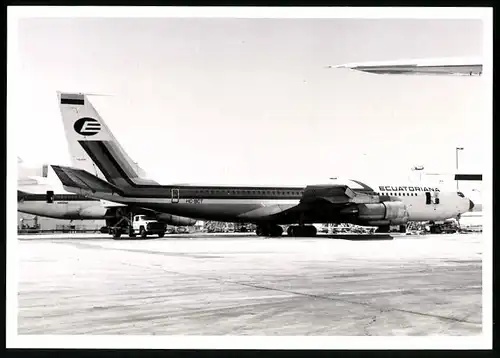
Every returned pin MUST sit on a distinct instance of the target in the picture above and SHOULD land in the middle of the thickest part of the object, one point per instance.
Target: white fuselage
(422, 203)
(75, 210)
(64, 205)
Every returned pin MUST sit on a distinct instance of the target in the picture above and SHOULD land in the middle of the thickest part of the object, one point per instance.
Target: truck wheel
(143, 232)
(161, 234)
(117, 233)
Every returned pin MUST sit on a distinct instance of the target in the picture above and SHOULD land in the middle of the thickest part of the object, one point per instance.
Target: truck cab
(145, 225)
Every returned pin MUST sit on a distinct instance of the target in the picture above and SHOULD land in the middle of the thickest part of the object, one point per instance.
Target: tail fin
(93, 147)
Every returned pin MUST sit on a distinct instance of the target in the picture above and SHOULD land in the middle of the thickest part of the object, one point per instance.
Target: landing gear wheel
(262, 231)
(311, 230)
(435, 229)
(402, 229)
(383, 229)
(161, 234)
(302, 231)
(276, 231)
(269, 230)
(143, 233)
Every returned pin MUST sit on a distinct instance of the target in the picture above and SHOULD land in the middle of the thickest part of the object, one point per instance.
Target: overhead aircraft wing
(458, 66)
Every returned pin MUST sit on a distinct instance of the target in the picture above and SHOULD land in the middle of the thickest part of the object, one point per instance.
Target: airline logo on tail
(87, 126)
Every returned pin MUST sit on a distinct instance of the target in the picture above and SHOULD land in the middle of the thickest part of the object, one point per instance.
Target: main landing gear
(435, 229)
(269, 230)
(302, 231)
(294, 231)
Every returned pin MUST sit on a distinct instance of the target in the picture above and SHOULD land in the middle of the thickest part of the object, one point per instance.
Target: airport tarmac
(247, 285)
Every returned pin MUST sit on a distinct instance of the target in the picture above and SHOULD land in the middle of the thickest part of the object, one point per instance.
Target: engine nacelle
(175, 220)
(385, 213)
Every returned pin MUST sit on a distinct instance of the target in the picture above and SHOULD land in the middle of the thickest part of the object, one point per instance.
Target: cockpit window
(460, 194)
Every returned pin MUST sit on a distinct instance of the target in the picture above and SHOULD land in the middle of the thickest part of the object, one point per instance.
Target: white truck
(144, 225)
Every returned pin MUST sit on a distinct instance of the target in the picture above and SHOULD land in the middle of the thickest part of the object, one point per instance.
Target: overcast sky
(249, 100)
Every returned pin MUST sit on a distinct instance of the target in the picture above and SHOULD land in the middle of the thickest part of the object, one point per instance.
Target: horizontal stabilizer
(81, 179)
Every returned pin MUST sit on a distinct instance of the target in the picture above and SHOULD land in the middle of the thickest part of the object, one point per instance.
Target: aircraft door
(49, 197)
(175, 196)
(432, 199)
(436, 197)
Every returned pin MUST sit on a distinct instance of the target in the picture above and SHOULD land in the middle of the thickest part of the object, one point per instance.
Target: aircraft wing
(335, 194)
(315, 197)
(460, 66)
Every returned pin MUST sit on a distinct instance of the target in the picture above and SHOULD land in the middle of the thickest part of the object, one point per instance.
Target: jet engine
(385, 213)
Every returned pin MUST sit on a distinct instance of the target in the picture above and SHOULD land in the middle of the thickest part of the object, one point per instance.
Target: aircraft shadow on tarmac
(137, 238)
(352, 237)
(360, 237)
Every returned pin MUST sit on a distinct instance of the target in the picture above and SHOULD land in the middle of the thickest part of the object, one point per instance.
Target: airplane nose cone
(471, 205)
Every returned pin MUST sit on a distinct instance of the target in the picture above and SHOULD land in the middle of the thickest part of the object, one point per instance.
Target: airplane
(268, 207)
(455, 66)
(36, 196)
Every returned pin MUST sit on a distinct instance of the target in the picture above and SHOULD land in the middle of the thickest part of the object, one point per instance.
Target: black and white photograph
(249, 177)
